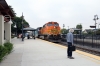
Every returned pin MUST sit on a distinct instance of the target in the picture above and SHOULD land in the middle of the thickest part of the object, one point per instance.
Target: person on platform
(70, 43)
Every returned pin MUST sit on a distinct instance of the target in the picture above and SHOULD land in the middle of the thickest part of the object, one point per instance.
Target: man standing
(70, 43)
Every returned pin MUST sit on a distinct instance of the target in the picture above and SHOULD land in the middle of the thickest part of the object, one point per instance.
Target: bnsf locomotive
(50, 30)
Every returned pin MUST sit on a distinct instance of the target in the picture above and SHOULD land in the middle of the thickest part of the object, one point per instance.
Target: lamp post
(16, 29)
(95, 18)
(63, 28)
(22, 28)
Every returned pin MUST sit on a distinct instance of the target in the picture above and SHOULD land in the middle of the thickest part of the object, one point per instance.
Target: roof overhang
(29, 29)
(5, 10)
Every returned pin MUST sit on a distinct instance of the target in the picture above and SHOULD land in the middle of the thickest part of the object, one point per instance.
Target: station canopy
(29, 29)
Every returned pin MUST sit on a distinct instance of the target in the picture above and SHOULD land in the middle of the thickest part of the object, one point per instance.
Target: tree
(18, 22)
(64, 31)
(79, 26)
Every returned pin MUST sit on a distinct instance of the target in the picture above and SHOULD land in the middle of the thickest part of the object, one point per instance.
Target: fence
(92, 41)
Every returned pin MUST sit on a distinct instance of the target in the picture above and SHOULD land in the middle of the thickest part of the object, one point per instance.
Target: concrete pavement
(42, 53)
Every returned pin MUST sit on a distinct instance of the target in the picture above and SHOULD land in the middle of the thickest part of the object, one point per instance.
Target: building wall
(7, 27)
(1, 29)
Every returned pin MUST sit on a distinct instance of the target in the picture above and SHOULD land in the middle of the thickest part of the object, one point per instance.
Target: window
(49, 24)
(56, 24)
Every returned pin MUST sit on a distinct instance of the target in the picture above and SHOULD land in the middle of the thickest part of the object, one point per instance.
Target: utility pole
(95, 18)
(22, 28)
(63, 26)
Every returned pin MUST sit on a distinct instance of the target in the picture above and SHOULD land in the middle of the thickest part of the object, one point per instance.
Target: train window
(56, 24)
(49, 24)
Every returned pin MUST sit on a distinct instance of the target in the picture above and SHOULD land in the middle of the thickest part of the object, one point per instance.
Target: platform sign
(92, 26)
(6, 18)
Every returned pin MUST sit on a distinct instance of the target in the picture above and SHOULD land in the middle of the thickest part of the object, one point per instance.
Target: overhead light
(10, 22)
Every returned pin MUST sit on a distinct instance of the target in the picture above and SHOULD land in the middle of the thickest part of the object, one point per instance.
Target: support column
(7, 31)
(1, 29)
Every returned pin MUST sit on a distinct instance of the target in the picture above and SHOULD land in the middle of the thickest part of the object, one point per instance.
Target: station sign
(92, 26)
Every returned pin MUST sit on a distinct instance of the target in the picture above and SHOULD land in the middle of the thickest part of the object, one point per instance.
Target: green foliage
(64, 31)
(76, 32)
(79, 26)
(9, 46)
(90, 32)
(6, 49)
(98, 32)
(18, 22)
(3, 52)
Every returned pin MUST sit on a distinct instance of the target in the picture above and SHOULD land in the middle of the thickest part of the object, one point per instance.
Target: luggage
(73, 48)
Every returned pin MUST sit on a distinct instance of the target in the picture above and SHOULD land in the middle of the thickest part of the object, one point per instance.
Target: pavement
(38, 52)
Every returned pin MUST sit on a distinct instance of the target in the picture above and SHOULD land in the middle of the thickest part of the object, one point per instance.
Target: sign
(92, 26)
(6, 18)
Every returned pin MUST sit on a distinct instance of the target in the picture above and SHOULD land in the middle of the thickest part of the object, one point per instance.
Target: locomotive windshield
(49, 24)
(56, 24)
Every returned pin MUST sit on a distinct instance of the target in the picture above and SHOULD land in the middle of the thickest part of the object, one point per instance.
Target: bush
(9, 46)
(3, 52)
(6, 49)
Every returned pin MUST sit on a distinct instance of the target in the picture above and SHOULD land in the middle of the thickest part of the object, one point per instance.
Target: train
(50, 31)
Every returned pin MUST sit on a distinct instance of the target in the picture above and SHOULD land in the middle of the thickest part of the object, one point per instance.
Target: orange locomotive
(50, 30)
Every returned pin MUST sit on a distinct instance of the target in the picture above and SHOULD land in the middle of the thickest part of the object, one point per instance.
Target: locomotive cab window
(49, 24)
(56, 24)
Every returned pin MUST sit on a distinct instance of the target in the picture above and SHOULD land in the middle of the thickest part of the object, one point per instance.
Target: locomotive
(49, 31)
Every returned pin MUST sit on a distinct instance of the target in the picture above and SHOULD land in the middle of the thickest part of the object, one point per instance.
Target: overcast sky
(68, 12)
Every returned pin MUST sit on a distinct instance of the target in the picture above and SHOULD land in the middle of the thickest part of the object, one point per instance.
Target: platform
(43, 53)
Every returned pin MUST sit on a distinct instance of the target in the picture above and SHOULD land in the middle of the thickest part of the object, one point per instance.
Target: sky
(68, 12)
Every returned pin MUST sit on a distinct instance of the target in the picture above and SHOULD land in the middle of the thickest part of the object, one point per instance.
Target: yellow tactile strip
(88, 54)
(80, 52)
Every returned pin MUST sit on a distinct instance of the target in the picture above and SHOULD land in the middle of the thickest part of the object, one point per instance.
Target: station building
(6, 16)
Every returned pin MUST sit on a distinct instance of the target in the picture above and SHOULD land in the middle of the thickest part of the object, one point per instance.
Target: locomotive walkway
(42, 53)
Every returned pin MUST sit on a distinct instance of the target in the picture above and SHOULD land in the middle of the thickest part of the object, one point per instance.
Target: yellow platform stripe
(79, 52)
(88, 54)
